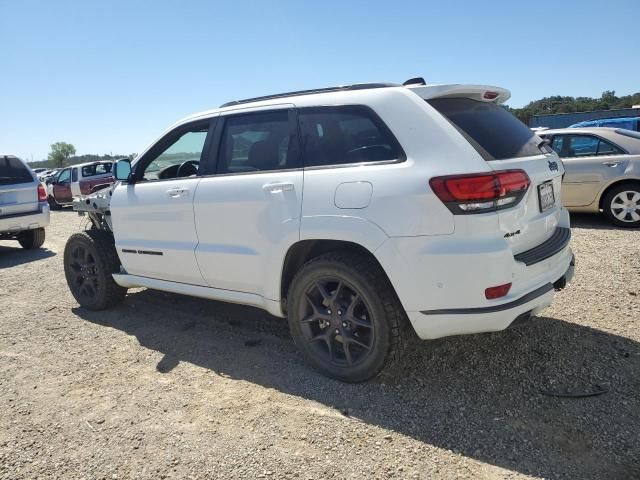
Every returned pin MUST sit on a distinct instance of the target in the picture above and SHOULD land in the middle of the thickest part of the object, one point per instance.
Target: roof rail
(357, 86)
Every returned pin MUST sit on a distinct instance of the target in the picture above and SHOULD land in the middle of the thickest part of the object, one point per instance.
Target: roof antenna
(414, 81)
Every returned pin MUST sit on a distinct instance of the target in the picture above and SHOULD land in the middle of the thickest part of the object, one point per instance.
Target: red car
(77, 181)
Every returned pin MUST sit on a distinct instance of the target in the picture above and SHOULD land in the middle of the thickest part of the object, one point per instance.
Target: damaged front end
(96, 208)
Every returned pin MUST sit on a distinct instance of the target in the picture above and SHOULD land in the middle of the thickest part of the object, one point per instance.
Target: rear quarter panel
(402, 202)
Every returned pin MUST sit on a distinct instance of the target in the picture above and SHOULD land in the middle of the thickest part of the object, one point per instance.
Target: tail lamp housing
(481, 192)
(42, 193)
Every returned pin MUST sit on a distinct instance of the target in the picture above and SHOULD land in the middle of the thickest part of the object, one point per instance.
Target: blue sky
(111, 76)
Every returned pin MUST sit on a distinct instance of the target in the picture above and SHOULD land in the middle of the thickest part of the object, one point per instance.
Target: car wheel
(31, 239)
(53, 205)
(622, 205)
(90, 259)
(345, 317)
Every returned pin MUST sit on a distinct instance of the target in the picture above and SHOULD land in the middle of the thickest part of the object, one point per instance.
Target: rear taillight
(42, 193)
(490, 95)
(481, 192)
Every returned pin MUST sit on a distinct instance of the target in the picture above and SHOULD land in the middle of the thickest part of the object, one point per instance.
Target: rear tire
(345, 317)
(53, 205)
(31, 239)
(90, 259)
(621, 205)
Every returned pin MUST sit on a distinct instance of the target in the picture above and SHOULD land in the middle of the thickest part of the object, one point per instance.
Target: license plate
(546, 196)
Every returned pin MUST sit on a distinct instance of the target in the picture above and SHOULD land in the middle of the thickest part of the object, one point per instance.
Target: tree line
(63, 154)
(560, 104)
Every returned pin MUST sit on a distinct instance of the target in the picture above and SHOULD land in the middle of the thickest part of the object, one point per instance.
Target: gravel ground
(166, 386)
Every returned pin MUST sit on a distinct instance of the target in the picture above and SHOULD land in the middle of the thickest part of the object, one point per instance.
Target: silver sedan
(602, 168)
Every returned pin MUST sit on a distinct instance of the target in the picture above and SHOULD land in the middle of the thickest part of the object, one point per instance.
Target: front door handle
(278, 187)
(177, 192)
(611, 164)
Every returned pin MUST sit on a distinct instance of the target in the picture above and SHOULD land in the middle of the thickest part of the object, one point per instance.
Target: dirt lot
(166, 386)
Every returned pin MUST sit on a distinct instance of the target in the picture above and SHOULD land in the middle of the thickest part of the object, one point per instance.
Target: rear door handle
(177, 192)
(611, 164)
(278, 187)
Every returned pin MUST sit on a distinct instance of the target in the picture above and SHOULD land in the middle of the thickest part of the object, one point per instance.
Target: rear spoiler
(481, 93)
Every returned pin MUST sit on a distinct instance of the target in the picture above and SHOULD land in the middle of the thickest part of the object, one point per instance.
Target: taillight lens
(490, 95)
(42, 193)
(481, 192)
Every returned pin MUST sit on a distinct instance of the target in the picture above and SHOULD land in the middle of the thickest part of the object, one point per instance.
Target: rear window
(491, 130)
(13, 171)
(345, 135)
(97, 169)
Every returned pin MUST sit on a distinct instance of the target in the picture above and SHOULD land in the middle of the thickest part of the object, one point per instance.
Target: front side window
(181, 158)
(345, 135)
(65, 176)
(257, 142)
(13, 171)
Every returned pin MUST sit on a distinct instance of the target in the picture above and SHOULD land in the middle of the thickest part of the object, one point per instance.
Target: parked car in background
(358, 212)
(602, 171)
(78, 180)
(24, 212)
(38, 171)
(48, 174)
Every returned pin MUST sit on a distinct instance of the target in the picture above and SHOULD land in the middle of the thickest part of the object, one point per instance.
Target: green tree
(60, 153)
(609, 96)
(563, 104)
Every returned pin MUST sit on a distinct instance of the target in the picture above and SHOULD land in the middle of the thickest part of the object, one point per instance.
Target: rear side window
(491, 130)
(98, 169)
(606, 148)
(13, 171)
(345, 135)
(257, 142)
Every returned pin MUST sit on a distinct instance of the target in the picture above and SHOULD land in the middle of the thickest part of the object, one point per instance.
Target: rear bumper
(25, 221)
(430, 324)
(441, 280)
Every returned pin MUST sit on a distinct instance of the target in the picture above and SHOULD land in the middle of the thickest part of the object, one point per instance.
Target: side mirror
(122, 170)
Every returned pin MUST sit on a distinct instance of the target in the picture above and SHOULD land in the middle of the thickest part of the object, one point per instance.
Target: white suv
(357, 212)
(24, 211)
